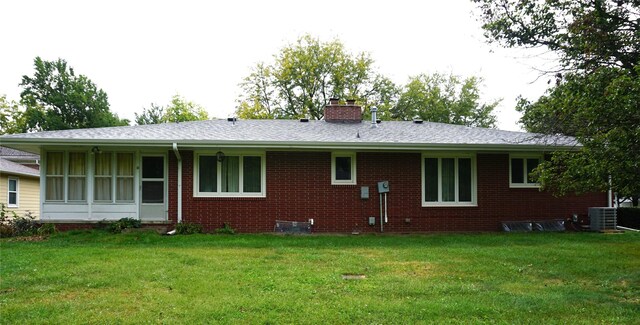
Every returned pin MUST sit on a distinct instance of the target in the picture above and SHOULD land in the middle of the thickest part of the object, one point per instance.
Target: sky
(143, 52)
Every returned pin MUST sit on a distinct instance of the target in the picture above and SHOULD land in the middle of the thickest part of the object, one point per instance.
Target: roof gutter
(177, 153)
(391, 146)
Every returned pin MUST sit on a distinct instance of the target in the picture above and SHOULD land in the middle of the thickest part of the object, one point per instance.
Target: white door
(153, 191)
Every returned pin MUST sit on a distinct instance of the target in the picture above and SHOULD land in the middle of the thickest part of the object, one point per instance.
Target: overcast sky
(143, 52)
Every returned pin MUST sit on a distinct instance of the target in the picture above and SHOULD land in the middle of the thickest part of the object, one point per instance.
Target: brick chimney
(336, 113)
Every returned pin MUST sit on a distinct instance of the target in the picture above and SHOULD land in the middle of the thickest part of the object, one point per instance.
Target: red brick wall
(299, 188)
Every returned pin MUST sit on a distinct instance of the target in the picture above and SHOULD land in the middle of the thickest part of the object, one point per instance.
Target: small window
(343, 168)
(234, 175)
(448, 181)
(520, 171)
(13, 193)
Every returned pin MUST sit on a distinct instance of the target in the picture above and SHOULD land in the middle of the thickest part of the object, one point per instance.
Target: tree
(57, 99)
(601, 110)
(181, 110)
(445, 99)
(585, 34)
(153, 115)
(11, 116)
(305, 75)
(596, 94)
(178, 110)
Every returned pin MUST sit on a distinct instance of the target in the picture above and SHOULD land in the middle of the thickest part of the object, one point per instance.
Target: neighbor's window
(13, 193)
(343, 168)
(449, 181)
(234, 175)
(520, 171)
(113, 174)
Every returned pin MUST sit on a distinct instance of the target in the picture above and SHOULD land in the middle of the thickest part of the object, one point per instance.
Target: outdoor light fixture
(220, 156)
(96, 150)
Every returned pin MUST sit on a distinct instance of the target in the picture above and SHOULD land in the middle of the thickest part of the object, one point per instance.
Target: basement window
(520, 168)
(230, 175)
(343, 168)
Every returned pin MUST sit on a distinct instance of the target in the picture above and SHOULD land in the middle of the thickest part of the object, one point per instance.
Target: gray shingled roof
(293, 133)
(10, 167)
(11, 154)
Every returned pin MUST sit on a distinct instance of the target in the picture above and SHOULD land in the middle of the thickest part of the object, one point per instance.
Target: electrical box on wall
(372, 221)
(383, 187)
(364, 192)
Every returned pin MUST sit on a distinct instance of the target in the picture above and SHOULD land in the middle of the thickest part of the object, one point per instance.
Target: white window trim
(17, 191)
(354, 174)
(474, 181)
(219, 194)
(526, 184)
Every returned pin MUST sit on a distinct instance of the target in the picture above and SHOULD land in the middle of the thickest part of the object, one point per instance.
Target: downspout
(177, 153)
(610, 194)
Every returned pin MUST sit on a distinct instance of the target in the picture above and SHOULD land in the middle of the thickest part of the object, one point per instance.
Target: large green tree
(178, 110)
(305, 75)
(56, 98)
(151, 115)
(11, 116)
(445, 99)
(596, 94)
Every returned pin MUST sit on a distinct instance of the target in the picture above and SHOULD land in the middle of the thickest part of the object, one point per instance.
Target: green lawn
(95, 277)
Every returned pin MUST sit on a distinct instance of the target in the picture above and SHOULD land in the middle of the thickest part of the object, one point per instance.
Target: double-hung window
(77, 177)
(113, 177)
(343, 168)
(66, 177)
(72, 171)
(520, 168)
(12, 199)
(232, 175)
(54, 190)
(448, 180)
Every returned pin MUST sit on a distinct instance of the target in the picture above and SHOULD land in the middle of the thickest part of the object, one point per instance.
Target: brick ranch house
(250, 173)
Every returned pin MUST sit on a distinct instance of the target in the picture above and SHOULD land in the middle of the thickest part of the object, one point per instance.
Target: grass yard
(96, 277)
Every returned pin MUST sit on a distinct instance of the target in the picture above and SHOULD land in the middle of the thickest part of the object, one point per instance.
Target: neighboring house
(19, 181)
(250, 173)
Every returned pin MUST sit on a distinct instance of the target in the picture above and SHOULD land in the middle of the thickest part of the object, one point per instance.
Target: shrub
(226, 229)
(25, 226)
(13, 225)
(5, 230)
(186, 228)
(47, 229)
(102, 225)
(629, 217)
(124, 223)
